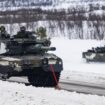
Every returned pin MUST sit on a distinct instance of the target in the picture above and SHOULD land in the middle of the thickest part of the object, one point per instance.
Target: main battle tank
(29, 57)
(95, 54)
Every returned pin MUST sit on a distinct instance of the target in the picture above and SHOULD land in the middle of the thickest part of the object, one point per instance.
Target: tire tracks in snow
(71, 86)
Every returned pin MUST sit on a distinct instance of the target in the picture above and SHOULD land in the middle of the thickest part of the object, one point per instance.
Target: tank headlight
(60, 62)
(52, 61)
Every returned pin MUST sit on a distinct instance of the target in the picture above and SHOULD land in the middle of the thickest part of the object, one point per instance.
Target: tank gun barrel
(40, 49)
(48, 48)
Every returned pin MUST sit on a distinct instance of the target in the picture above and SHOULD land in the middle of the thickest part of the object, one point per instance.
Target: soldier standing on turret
(23, 33)
(3, 33)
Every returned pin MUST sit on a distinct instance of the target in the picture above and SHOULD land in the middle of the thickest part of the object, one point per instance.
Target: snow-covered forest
(74, 19)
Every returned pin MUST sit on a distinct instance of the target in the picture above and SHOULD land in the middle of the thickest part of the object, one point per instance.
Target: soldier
(23, 33)
(3, 33)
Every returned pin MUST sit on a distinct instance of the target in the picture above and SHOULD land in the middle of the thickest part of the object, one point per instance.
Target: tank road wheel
(42, 78)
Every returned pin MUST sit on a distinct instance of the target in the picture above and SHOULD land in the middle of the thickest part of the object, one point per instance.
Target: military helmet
(2, 28)
(22, 28)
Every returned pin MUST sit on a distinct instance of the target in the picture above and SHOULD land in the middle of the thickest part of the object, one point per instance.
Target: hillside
(18, 3)
(75, 19)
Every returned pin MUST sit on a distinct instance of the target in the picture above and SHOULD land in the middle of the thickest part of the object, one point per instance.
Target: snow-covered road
(83, 87)
(71, 85)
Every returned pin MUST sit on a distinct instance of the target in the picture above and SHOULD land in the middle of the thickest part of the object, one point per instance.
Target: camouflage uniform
(3, 33)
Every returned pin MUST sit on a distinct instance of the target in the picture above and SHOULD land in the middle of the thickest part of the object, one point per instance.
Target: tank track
(41, 78)
(36, 77)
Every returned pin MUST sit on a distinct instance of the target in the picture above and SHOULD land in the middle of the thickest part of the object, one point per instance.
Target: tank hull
(29, 57)
(36, 68)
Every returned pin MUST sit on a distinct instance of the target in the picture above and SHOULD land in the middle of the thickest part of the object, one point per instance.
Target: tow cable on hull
(55, 78)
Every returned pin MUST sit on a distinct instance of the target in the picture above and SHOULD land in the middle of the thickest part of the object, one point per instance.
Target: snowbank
(19, 94)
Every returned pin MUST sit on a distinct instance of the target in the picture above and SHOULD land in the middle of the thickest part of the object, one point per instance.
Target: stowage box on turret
(28, 56)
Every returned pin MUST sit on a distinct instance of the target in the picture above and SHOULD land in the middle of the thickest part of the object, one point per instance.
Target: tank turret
(28, 46)
(29, 56)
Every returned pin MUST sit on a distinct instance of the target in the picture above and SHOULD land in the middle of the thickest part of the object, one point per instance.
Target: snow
(70, 4)
(75, 68)
(19, 94)
(50, 4)
(71, 53)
